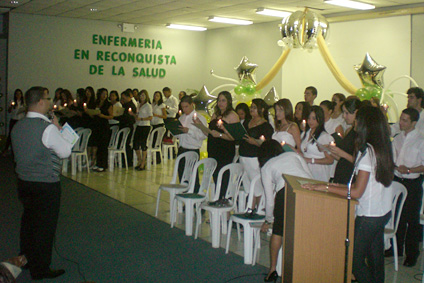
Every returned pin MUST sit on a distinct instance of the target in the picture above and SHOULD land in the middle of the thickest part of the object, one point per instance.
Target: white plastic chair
(113, 132)
(192, 199)
(169, 149)
(399, 191)
(246, 222)
(173, 188)
(218, 212)
(79, 151)
(118, 149)
(153, 148)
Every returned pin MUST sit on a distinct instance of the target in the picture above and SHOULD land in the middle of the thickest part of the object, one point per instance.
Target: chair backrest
(190, 158)
(121, 139)
(261, 206)
(399, 197)
(209, 166)
(81, 144)
(236, 173)
(160, 131)
(114, 131)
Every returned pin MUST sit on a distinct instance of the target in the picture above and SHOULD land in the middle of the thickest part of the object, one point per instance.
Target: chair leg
(188, 217)
(395, 252)
(171, 207)
(149, 159)
(248, 244)
(198, 220)
(215, 228)
(224, 223)
(111, 161)
(88, 167)
(227, 246)
(157, 203)
(126, 161)
(73, 164)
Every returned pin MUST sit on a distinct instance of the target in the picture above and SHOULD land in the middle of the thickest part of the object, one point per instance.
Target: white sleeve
(195, 132)
(52, 139)
(173, 106)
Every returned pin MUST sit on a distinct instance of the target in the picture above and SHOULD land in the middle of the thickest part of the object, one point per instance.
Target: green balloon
(238, 89)
(362, 93)
(376, 92)
(250, 89)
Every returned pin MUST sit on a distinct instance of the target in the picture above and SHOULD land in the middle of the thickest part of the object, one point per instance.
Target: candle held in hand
(385, 106)
(13, 103)
(85, 105)
(180, 112)
(195, 115)
(262, 138)
(220, 122)
(66, 104)
(332, 143)
(130, 110)
(283, 143)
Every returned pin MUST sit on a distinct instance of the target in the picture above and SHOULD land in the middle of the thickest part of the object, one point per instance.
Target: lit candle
(262, 138)
(385, 107)
(85, 105)
(332, 143)
(283, 143)
(219, 122)
(180, 112)
(340, 135)
(195, 116)
(54, 107)
(66, 104)
(75, 101)
(303, 123)
(130, 110)
(13, 103)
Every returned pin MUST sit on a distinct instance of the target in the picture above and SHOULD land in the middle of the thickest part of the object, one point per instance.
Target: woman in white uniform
(319, 161)
(374, 174)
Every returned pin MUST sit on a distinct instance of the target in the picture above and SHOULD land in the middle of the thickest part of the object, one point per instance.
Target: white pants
(251, 169)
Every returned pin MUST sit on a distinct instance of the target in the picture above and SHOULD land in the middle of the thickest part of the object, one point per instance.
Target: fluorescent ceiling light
(351, 4)
(186, 27)
(230, 21)
(273, 13)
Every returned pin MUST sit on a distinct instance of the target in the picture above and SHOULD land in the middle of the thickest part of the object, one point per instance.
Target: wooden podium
(314, 234)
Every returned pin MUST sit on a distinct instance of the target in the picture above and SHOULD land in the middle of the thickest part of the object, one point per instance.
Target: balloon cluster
(371, 75)
(246, 89)
(301, 28)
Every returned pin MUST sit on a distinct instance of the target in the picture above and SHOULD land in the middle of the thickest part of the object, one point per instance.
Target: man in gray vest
(38, 146)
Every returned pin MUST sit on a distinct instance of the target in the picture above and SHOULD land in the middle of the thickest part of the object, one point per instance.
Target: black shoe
(410, 261)
(51, 273)
(272, 277)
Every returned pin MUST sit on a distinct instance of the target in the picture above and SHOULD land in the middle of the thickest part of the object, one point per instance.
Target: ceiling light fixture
(93, 9)
(14, 2)
(186, 27)
(273, 13)
(229, 21)
(351, 4)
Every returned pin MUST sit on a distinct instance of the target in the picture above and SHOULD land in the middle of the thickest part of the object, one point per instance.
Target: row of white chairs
(117, 149)
(183, 193)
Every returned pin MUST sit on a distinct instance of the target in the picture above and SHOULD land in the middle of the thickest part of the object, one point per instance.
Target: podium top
(296, 182)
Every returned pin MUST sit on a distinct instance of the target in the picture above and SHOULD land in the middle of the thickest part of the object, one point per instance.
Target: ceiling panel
(190, 12)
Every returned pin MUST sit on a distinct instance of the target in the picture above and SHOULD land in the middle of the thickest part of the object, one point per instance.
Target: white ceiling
(185, 12)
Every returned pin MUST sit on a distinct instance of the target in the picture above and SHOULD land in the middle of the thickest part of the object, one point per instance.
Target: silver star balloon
(370, 72)
(203, 99)
(246, 70)
(271, 97)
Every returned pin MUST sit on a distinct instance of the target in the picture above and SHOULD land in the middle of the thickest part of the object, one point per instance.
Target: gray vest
(34, 161)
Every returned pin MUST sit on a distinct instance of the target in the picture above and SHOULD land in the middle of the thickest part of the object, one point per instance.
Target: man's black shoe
(410, 261)
(49, 274)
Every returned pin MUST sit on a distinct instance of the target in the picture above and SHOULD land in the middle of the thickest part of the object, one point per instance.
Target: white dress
(331, 125)
(320, 172)
(284, 136)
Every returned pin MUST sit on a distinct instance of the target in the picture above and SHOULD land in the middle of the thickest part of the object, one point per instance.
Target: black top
(105, 108)
(221, 150)
(127, 120)
(344, 168)
(249, 150)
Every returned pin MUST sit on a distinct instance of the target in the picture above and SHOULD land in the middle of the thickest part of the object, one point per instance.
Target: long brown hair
(288, 111)
(372, 128)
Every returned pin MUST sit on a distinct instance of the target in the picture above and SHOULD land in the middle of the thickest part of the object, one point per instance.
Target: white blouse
(144, 112)
(310, 150)
(408, 150)
(377, 199)
(284, 136)
(157, 109)
(331, 125)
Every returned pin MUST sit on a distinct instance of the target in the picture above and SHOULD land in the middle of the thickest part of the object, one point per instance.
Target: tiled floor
(139, 190)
